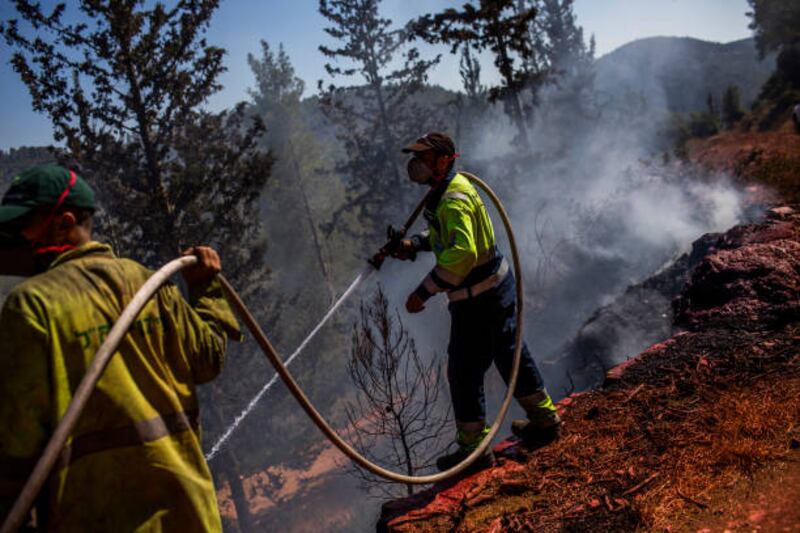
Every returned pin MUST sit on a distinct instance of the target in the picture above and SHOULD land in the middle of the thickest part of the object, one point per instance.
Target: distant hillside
(17, 159)
(677, 73)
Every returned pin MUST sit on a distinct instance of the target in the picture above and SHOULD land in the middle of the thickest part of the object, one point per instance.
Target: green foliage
(534, 43)
(788, 65)
(376, 119)
(471, 106)
(301, 195)
(682, 128)
(678, 132)
(703, 124)
(777, 28)
(499, 27)
(277, 94)
(470, 70)
(15, 160)
(776, 24)
(123, 92)
(563, 47)
(786, 77)
(732, 111)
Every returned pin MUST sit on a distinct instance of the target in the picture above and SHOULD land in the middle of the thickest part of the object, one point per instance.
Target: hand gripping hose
(41, 471)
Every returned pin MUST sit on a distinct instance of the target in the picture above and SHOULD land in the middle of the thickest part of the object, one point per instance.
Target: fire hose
(45, 464)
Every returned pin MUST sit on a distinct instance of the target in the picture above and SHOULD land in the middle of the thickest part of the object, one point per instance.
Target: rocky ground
(698, 433)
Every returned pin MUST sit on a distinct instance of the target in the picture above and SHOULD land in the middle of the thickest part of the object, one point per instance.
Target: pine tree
(124, 92)
(471, 106)
(776, 24)
(711, 107)
(277, 101)
(732, 110)
(470, 71)
(375, 119)
(497, 26)
(564, 58)
(564, 47)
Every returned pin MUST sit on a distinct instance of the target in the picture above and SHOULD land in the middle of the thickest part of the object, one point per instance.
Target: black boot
(535, 435)
(469, 436)
(446, 462)
(543, 425)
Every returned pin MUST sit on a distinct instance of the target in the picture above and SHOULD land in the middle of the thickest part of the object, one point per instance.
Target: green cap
(45, 185)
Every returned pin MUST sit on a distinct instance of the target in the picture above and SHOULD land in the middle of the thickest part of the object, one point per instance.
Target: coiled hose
(41, 471)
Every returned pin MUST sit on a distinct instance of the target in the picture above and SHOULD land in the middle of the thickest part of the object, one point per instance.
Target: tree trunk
(377, 87)
(507, 72)
(311, 222)
(229, 466)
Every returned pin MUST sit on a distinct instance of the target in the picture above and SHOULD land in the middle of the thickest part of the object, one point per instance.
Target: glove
(405, 250)
(414, 303)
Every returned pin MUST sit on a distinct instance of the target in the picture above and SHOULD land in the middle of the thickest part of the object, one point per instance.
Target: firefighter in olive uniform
(481, 291)
(134, 461)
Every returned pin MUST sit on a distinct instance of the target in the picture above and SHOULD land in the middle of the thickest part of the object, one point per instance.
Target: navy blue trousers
(482, 332)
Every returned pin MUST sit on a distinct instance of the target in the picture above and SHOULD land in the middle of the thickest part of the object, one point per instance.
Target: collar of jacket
(440, 189)
(91, 247)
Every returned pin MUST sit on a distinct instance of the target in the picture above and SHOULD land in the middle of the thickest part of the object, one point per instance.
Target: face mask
(418, 171)
(21, 257)
(16, 255)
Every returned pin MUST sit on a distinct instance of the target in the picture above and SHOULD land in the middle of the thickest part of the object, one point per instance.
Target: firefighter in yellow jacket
(134, 461)
(481, 291)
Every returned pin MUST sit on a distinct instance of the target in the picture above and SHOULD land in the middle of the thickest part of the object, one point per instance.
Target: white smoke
(597, 207)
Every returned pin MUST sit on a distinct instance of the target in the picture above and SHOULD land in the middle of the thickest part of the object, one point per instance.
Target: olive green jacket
(134, 461)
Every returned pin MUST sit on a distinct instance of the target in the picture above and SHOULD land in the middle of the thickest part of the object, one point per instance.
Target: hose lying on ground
(41, 471)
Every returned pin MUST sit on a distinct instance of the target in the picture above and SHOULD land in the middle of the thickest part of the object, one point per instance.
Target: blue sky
(240, 24)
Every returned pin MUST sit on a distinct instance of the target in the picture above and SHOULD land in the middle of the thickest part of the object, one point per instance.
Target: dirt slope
(767, 162)
(691, 434)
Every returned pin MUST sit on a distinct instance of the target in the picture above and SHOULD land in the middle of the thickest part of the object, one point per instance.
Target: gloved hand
(405, 250)
(414, 304)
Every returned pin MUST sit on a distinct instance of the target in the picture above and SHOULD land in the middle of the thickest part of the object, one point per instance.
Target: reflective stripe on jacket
(460, 234)
(134, 461)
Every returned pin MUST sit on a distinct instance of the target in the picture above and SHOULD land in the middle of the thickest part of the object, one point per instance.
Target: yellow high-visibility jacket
(134, 461)
(460, 234)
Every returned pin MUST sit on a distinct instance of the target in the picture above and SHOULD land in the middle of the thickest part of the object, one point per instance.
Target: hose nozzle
(395, 237)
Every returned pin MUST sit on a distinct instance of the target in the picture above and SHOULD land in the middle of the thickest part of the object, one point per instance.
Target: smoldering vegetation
(598, 196)
(598, 204)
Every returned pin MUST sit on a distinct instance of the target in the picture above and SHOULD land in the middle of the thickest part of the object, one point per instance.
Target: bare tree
(398, 418)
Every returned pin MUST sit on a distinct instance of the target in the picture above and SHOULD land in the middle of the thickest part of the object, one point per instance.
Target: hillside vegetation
(677, 74)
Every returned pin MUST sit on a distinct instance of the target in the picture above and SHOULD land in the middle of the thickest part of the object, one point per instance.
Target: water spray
(43, 467)
(394, 235)
(362, 276)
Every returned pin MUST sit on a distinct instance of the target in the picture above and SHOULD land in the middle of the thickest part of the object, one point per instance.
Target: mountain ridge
(676, 74)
